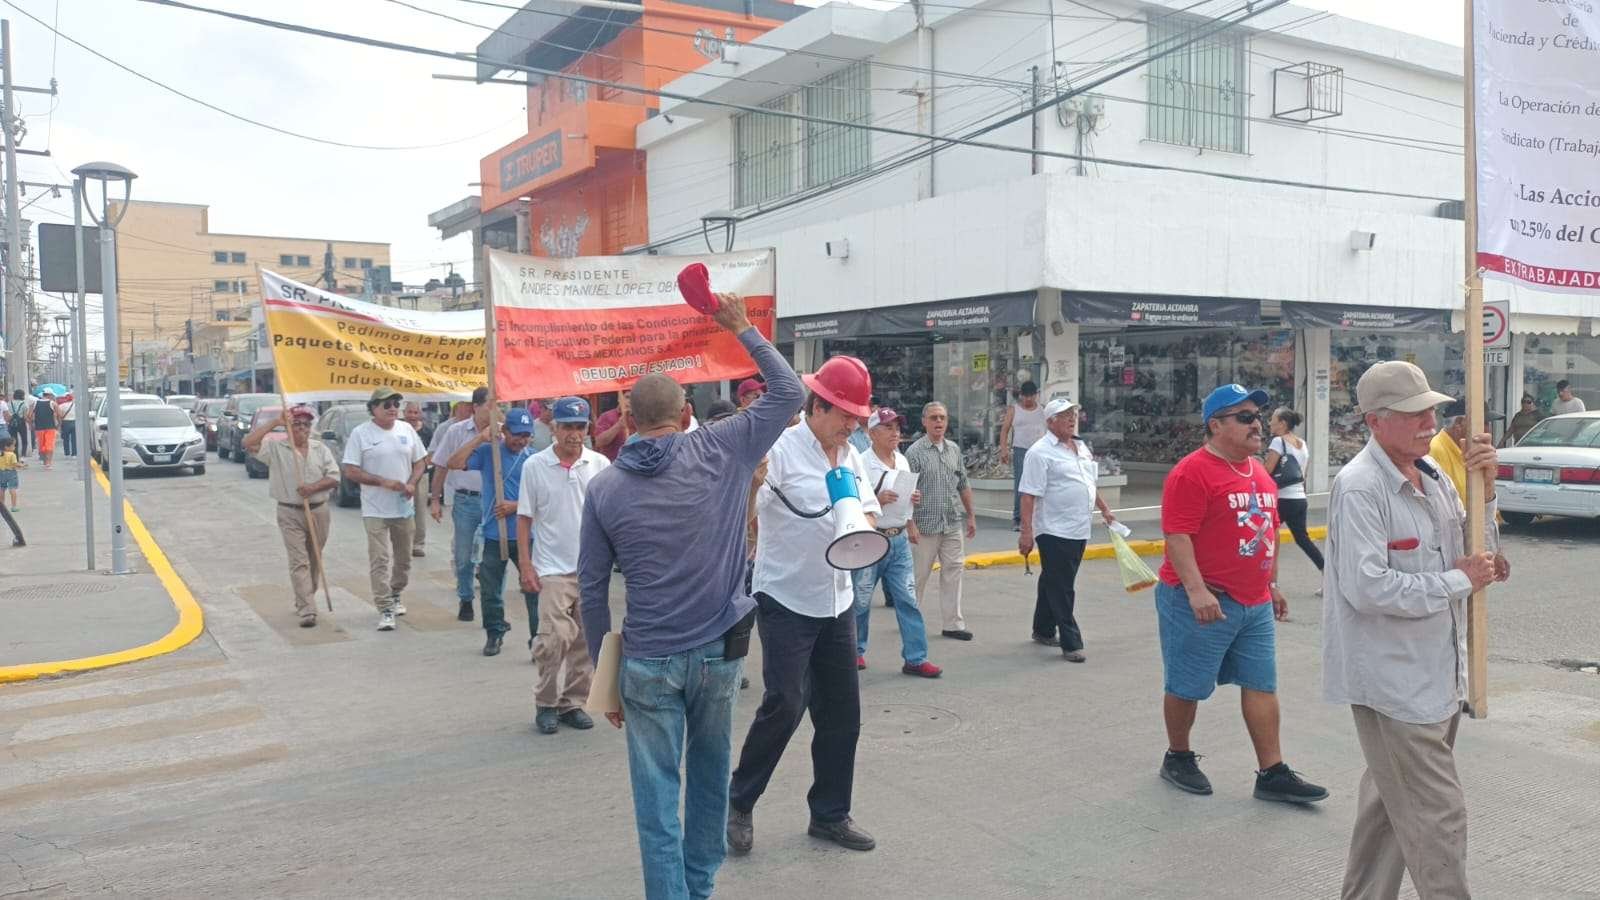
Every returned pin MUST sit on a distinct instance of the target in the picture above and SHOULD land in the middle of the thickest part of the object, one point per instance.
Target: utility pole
(327, 266)
(16, 317)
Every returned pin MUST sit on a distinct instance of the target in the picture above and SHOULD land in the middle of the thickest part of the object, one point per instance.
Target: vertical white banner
(1538, 141)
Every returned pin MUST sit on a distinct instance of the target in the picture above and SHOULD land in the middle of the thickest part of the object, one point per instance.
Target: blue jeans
(491, 585)
(1018, 454)
(671, 704)
(899, 583)
(466, 547)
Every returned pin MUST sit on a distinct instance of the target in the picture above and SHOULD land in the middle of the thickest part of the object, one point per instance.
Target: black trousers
(807, 664)
(1293, 513)
(1057, 595)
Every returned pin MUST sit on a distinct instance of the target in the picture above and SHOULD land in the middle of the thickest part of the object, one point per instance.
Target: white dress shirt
(552, 496)
(1394, 624)
(451, 438)
(790, 567)
(1064, 479)
(878, 473)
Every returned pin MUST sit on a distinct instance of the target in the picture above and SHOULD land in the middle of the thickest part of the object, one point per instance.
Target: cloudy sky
(258, 181)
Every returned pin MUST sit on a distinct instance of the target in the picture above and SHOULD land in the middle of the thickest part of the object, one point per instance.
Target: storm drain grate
(50, 591)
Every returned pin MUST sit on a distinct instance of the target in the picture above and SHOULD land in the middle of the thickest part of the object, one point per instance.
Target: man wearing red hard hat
(806, 612)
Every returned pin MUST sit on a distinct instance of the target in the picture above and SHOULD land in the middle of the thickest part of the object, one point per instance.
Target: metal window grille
(220, 256)
(765, 148)
(286, 260)
(1199, 95)
(834, 151)
(238, 258)
(775, 157)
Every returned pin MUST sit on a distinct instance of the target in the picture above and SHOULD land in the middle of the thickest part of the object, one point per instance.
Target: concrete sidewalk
(55, 616)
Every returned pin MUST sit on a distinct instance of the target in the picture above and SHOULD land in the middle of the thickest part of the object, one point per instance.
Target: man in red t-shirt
(611, 429)
(1218, 594)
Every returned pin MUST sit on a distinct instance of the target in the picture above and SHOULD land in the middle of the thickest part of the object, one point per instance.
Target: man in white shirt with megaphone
(805, 604)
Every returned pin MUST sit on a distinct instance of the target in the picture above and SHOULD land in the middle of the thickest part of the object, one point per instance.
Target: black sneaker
(546, 720)
(1280, 784)
(844, 833)
(1182, 771)
(491, 645)
(576, 718)
(464, 614)
(1049, 640)
(741, 831)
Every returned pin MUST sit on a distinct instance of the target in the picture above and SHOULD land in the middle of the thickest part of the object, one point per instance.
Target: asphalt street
(267, 760)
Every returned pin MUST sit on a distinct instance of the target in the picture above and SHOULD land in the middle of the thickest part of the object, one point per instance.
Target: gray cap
(1399, 386)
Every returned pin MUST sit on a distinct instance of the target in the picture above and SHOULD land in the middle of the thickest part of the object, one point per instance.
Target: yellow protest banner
(329, 347)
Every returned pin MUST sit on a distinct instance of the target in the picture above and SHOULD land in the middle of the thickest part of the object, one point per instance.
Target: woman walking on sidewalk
(1286, 460)
(19, 421)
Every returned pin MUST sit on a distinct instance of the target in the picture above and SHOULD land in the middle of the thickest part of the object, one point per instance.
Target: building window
(238, 258)
(775, 157)
(303, 262)
(219, 256)
(366, 264)
(220, 287)
(1200, 94)
(349, 262)
(286, 260)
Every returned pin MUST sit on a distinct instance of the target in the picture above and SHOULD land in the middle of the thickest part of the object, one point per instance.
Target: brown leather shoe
(844, 833)
(741, 830)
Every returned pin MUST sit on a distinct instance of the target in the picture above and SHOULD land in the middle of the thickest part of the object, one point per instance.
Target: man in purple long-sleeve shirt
(671, 514)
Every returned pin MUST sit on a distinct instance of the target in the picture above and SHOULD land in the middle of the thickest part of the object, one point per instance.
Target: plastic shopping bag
(1136, 576)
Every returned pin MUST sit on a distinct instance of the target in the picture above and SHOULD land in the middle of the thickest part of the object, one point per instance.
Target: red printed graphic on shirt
(1231, 519)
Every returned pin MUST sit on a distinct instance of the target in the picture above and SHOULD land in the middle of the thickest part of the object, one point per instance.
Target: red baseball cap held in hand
(694, 283)
(845, 382)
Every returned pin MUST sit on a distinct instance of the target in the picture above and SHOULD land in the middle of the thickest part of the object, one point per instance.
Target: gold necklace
(1249, 470)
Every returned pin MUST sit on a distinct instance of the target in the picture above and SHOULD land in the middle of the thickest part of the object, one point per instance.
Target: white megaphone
(856, 544)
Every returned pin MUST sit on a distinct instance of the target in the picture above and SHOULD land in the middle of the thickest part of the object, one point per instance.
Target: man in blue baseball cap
(1218, 594)
(555, 482)
(499, 513)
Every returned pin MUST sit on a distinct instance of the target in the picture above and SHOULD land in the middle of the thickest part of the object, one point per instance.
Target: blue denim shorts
(1241, 649)
(8, 479)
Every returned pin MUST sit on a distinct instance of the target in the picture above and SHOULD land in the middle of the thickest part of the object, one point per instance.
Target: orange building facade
(578, 166)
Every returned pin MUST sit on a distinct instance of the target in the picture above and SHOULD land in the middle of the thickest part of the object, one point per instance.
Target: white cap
(1058, 406)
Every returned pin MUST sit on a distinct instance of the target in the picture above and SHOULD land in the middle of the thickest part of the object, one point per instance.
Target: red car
(253, 467)
(207, 415)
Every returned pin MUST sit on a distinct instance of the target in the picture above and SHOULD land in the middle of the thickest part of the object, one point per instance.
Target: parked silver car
(160, 437)
(1553, 471)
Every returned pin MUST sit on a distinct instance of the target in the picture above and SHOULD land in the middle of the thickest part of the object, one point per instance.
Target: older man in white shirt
(1059, 485)
(805, 613)
(1394, 634)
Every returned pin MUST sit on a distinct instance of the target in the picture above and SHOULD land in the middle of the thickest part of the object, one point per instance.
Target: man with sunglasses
(1218, 594)
(386, 457)
(301, 471)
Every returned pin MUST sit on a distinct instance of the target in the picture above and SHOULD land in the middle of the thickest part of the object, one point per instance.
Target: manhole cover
(51, 591)
(907, 724)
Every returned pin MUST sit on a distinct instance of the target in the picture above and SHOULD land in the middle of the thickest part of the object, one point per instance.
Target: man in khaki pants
(301, 471)
(386, 457)
(411, 412)
(937, 523)
(1394, 634)
(550, 504)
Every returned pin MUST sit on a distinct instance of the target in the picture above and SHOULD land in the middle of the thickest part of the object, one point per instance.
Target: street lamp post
(106, 173)
(80, 407)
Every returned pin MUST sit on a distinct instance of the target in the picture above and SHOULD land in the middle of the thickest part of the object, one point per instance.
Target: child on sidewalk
(9, 464)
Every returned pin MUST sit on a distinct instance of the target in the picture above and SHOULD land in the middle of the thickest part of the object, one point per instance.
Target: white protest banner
(1537, 102)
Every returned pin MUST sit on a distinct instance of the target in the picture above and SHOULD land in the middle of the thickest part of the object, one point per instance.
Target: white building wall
(991, 228)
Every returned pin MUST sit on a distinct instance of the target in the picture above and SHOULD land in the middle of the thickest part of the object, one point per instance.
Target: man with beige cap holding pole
(1394, 634)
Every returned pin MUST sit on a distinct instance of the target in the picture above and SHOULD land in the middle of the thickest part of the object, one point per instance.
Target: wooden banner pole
(1472, 327)
(489, 341)
(288, 428)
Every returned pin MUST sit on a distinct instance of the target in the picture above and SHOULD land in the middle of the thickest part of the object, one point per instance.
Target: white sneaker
(399, 608)
(386, 621)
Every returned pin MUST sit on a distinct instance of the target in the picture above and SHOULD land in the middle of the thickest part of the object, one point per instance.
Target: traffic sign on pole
(1497, 325)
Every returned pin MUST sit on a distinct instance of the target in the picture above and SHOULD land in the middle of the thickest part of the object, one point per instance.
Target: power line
(240, 117)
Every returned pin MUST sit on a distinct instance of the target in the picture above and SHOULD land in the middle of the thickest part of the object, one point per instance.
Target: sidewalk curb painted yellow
(1104, 551)
(191, 621)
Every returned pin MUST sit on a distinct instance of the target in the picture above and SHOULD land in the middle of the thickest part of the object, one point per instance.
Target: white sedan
(1553, 471)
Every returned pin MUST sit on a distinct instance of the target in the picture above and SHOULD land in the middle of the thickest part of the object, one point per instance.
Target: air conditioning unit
(839, 249)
